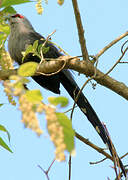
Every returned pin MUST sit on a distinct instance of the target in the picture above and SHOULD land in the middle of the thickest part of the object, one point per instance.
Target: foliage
(36, 50)
(34, 96)
(2, 142)
(63, 101)
(6, 3)
(27, 69)
(67, 130)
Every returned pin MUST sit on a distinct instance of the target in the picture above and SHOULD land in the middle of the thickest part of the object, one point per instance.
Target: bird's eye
(17, 15)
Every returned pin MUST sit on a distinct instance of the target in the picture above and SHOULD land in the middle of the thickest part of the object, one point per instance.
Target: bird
(22, 34)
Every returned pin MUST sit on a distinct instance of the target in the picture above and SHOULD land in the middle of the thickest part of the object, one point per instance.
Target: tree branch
(84, 67)
(80, 30)
(100, 150)
(102, 51)
(87, 68)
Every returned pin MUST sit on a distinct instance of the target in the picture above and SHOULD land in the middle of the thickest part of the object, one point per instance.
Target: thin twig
(89, 143)
(46, 40)
(111, 44)
(124, 62)
(47, 171)
(70, 109)
(117, 62)
(124, 155)
(70, 159)
(60, 49)
(123, 46)
(44, 172)
(97, 162)
(80, 30)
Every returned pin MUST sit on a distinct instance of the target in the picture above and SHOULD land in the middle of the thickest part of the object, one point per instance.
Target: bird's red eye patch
(17, 15)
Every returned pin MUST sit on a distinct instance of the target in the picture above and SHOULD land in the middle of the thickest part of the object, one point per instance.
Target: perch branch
(84, 67)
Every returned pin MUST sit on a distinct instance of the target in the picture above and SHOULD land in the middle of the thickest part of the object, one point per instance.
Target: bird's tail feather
(72, 88)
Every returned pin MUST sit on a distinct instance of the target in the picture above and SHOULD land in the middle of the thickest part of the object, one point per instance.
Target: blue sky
(103, 21)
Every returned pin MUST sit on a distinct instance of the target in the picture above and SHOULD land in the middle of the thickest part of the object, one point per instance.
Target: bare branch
(123, 46)
(97, 162)
(111, 44)
(117, 62)
(47, 171)
(80, 30)
(70, 159)
(100, 150)
(126, 154)
(69, 110)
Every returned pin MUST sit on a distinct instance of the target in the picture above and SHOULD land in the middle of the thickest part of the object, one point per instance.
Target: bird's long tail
(72, 88)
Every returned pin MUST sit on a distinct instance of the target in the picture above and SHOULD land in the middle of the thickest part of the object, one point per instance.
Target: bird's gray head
(20, 23)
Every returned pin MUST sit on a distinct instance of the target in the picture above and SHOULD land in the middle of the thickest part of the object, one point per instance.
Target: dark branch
(100, 150)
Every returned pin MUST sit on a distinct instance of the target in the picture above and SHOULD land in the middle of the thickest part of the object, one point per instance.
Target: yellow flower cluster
(39, 7)
(7, 63)
(40, 108)
(29, 117)
(5, 60)
(8, 91)
(56, 133)
(27, 108)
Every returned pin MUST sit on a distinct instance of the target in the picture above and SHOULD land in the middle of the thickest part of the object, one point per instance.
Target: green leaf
(4, 145)
(8, 10)
(34, 96)
(45, 50)
(6, 3)
(35, 45)
(67, 130)
(42, 48)
(28, 50)
(27, 69)
(31, 49)
(2, 128)
(63, 101)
